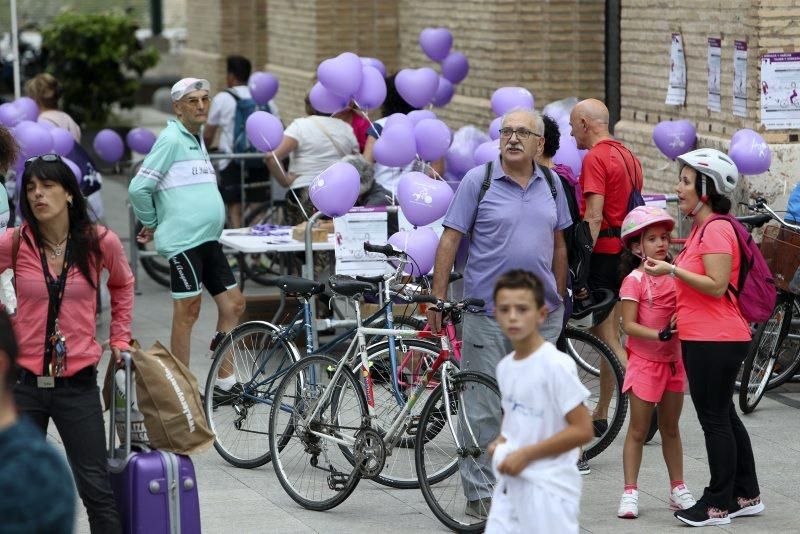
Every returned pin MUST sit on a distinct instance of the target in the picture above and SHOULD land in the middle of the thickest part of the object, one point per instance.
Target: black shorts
(203, 265)
(604, 274)
(230, 186)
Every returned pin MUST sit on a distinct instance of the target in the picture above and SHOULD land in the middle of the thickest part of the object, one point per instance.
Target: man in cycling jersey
(175, 196)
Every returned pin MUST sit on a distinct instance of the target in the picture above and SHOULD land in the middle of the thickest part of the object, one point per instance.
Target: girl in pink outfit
(655, 372)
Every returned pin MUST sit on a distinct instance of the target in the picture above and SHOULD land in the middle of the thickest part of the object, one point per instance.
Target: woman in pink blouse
(58, 255)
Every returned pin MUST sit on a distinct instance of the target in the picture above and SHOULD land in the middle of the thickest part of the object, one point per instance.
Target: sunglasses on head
(49, 158)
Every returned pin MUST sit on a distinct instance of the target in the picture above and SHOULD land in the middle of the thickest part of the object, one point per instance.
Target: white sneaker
(680, 498)
(629, 505)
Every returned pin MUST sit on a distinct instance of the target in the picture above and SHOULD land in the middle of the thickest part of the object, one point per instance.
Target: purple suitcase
(156, 491)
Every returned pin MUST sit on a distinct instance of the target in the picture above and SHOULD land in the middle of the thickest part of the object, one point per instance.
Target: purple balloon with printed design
(10, 115)
(27, 108)
(372, 92)
(264, 130)
(444, 93)
(420, 114)
(341, 75)
(397, 146)
(750, 152)
(423, 199)
(674, 138)
(326, 102)
(335, 190)
(141, 140)
(455, 67)
(433, 138)
(507, 98)
(33, 139)
(486, 152)
(62, 141)
(417, 86)
(420, 244)
(109, 146)
(436, 43)
(376, 63)
(494, 128)
(263, 87)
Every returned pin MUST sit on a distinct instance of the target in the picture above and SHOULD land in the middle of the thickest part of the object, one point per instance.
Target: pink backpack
(756, 287)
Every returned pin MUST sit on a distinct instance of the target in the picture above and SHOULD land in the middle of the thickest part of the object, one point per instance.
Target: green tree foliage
(98, 61)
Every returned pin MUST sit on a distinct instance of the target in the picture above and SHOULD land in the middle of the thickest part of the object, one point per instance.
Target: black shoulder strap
(549, 177)
(487, 183)
(616, 231)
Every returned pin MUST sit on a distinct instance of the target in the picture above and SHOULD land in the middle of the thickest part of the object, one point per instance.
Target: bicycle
(768, 363)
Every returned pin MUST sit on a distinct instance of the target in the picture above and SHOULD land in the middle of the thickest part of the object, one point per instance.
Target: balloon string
(283, 172)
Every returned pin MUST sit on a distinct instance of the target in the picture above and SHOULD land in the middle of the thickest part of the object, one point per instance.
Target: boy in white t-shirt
(544, 420)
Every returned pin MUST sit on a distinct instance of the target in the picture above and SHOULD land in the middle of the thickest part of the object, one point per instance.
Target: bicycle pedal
(337, 481)
(330, 370)
(413, 425)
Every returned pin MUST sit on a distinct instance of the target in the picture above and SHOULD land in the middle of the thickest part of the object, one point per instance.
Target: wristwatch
(672, 270)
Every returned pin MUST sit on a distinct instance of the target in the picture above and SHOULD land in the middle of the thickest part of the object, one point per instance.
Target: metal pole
(308, 273)
(15, 46)
(156, 17)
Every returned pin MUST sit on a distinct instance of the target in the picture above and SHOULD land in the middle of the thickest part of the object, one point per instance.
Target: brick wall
(767, 25)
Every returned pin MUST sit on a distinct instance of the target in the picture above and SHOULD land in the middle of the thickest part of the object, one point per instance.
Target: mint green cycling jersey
(3, 206)
(175, 192)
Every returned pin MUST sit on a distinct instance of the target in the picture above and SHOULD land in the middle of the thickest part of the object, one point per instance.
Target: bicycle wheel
(310, 466)
(760, 360)
(239, 417)
(157, 267)
(787, 356)
(414, 359)
(595, 356)
(454, 462)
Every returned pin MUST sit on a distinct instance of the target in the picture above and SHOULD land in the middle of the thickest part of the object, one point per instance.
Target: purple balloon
(140, 140)
(423, 199)
(372, 92)
(436, 43)
(62, 141)
(486, 152)
(433, 139)
(396, 147)
(341, 75)
(444, 93)
(33, 139)
(47, 124)
(420, 114)
(335, 190)
(75, 169)
(264, 130)
(10, 115)
(417, 86)
(455, 67)
(27, 108)
(263, 87)
(376, 63)
(109, 146)
(460, 158)
(674, 138)
(326, 102)
(494, 128)
(750, 152)
(568, 153)
(398, 118)
(507, 98)
(735, 137)
(420, 244)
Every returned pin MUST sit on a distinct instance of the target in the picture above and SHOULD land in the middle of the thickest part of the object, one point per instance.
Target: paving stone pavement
(252, 501)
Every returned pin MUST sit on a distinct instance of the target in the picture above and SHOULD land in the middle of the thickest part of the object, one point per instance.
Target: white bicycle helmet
(714, 164)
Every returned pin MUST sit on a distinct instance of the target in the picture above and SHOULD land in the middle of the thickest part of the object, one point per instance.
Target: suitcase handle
(112, 434)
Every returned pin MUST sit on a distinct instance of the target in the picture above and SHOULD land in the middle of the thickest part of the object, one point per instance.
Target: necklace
(56, 249)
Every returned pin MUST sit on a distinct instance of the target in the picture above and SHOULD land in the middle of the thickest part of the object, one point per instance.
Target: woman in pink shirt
(714, 335)
(58, 256)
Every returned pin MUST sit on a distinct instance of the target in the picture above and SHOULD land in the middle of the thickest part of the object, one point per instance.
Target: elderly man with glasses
(175, 196)
(514, 213)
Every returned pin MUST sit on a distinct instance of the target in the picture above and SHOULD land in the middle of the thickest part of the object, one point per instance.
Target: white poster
(780, 91)
(740, 79)
(352, 230)
(714, 73)
(676, 91)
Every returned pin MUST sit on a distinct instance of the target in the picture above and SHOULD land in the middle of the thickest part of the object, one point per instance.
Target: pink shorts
(649, 380)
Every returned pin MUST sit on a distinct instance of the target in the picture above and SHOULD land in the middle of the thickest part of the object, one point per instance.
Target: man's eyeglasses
(49, 158)
(194, 102)
(522, 133)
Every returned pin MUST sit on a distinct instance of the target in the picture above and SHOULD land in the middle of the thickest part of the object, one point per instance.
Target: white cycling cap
(187, 85)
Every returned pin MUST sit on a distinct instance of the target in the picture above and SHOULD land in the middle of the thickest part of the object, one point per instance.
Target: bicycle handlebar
(761, 205)
(386, 250)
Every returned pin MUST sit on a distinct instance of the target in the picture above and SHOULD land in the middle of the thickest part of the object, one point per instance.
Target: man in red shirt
(610, 172)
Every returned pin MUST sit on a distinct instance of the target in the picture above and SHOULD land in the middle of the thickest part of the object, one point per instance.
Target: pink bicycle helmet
(641, 218)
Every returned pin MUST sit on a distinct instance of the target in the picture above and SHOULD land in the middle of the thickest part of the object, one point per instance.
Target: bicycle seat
(370, 279)
(299, 286)
(599, 300)
(755, 221)
(348, 286)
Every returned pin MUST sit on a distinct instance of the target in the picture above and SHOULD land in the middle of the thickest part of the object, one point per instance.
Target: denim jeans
(74, 407)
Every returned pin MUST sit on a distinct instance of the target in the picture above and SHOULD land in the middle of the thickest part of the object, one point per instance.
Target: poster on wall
(714, 73)
(740, 79)
(676, 90)
(780, 91)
